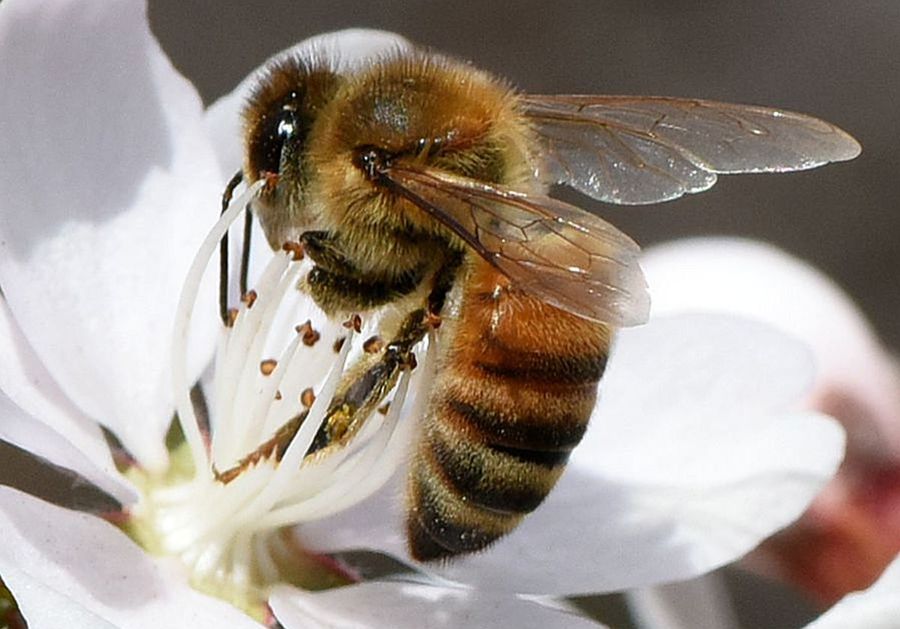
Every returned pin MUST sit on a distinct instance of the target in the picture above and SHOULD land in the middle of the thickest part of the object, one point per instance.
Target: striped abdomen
(516, 388)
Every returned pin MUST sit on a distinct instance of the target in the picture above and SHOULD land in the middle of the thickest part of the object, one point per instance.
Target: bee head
(277, 119)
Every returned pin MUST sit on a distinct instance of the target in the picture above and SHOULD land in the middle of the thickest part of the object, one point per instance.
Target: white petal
(683, 391)
(691, 461)
(112, 188)
(18, 428)
(758, 281)
(375, 523)
(875, 608)
(25, 380)
(93, 572)
(346, 48)
(409, 605)
(48, 608)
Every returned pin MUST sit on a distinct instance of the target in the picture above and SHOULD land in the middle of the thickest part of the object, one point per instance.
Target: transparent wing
(555, 251)
(634, 149)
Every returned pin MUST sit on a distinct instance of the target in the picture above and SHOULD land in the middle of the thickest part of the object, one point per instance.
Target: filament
(183, 313)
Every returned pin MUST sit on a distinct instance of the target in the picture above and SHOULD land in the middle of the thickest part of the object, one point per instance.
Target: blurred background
(837, 60)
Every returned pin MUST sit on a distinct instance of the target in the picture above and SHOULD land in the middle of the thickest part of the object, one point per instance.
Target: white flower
(111, 184)
(851, 531)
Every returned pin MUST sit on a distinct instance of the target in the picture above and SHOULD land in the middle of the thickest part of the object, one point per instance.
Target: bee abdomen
(485, 461)
(549, 369)
(513, 398)
(493, 476)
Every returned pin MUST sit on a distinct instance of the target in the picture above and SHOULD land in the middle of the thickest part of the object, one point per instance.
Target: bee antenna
(227, 195)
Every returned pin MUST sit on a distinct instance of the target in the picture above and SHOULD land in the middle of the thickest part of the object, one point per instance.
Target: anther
(295, 249)
(268, 366)
(307, 397)
(310, 336)
(338, 344)
(353, 323)
(231, 319)
(271, 181)
(249, 298)
(373, 345)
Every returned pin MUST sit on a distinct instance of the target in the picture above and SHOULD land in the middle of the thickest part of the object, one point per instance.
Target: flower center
(288, 440)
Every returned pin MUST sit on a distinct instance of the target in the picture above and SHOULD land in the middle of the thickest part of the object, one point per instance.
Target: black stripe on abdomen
(525, 431)
(489, 477)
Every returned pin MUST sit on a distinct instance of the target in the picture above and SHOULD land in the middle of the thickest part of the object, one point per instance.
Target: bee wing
(636, 149)
(555, 251)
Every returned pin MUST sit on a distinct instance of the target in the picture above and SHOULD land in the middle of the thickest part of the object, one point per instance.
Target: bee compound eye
(287, 126)
(280, 111)
(281, 128)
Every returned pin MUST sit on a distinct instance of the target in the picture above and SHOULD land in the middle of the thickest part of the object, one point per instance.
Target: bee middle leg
(364, 388)
(367, 387)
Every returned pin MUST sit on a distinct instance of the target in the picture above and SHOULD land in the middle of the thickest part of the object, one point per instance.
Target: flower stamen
(286, 446)
(188, 420)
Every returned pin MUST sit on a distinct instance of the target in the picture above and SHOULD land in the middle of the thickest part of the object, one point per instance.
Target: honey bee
(416, 178)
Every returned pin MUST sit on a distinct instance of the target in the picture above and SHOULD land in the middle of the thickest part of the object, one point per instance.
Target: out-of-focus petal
(18, 428)
(59, 563)
(411, 606)
(875, 608)
(852, 529)
(347, 48)
(692, 459)
(111, 185)
(759, 281)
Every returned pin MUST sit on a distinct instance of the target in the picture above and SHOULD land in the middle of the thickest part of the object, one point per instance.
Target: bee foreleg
(337, 293)
(324, 249)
